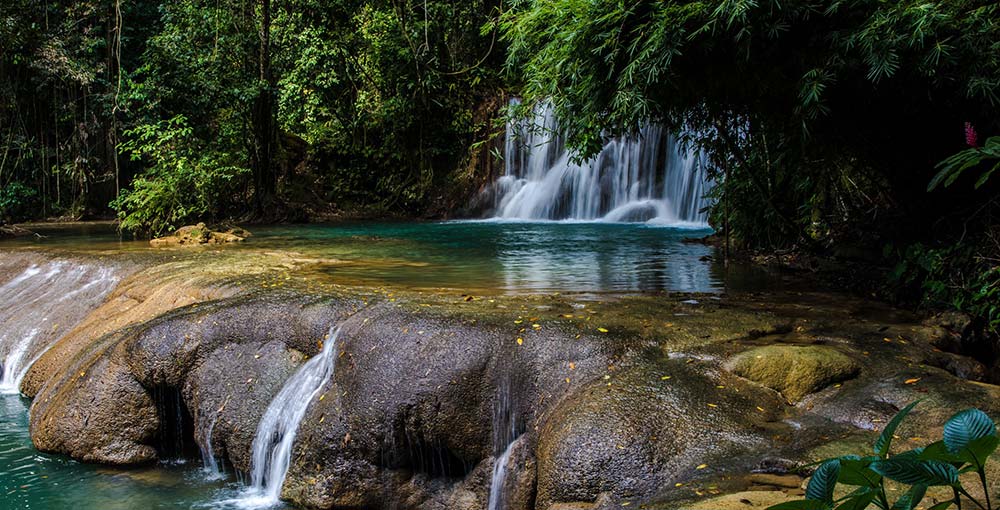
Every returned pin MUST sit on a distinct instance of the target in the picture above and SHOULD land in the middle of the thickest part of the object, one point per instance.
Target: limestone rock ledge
(425, 397)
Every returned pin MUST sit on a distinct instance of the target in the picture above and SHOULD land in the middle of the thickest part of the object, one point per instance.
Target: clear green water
(33, 480)
(507, 257)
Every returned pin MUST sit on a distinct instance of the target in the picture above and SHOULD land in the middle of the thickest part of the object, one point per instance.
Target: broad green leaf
(965, 427)
(978, 450)
(911, 498)
(885, 438)
(917, 472)
(858, 472)
(859, 502)
(938, 451)
(823, 481)
(986, 176)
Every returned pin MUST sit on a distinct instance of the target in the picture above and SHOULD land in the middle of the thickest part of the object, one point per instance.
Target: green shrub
(16, 202)
(962, 277)
(185, 180)
(970, 437)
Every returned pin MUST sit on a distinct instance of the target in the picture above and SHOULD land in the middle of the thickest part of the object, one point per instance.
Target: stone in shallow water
(794, 371)
(193, 235)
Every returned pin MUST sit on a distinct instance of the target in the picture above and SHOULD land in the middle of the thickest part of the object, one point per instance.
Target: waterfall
(642, 178)
(505, 435)
(40, 304)
(210, 464)
(272, 445)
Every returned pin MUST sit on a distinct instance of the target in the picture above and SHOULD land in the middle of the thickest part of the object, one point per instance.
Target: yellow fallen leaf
(678, 484)
(572, 366)
(911, 381)
(664, 378)
(701, 466)
(712, 405)
(602, 330)
(761, 409)
(520, 341)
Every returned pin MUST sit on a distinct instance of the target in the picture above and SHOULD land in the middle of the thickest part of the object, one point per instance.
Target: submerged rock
(794, 371)
(193, 235)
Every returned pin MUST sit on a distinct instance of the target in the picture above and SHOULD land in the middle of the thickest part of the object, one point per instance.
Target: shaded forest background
(826, 121)
(183, 110)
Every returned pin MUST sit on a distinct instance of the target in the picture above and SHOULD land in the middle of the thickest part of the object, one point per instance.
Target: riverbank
(656, 397)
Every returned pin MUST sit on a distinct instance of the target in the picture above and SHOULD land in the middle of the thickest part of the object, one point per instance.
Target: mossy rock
(194, 235)
(795, 371)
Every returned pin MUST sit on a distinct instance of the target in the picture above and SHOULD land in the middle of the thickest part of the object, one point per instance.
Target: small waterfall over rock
(506, 432)
(272, 445)
(645, 178)
(211, 465)
(39, 305)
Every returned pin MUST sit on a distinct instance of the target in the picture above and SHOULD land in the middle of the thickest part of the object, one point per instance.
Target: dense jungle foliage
(860, 127)
(184, 110)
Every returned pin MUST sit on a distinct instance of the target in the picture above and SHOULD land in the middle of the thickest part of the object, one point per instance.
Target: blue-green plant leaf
(978, 450)
(911, 498)
(912, 471)
(965, 427)
(857, 472)
(938, 451)
(858, 502)
(885, 438)
(823, 481)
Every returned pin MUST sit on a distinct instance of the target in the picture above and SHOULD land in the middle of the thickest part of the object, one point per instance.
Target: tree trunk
(264, 133)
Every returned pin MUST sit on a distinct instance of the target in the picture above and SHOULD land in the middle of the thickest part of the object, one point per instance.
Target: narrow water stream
(272, 446)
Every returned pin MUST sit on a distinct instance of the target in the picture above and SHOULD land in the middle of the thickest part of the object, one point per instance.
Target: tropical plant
(16, 200)
(953, 167)
(970, 438)
(186, 179)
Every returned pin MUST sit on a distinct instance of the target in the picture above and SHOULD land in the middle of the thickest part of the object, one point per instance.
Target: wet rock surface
(666, 401)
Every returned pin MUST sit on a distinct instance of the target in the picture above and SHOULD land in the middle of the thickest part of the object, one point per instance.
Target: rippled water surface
(511, 257)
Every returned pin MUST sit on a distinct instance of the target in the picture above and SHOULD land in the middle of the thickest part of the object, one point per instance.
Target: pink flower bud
(971, 138)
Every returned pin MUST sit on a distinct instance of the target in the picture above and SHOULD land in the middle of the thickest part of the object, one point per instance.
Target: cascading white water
(272, 445)
(210, 464)
(645, 178)
(39, 305)
(499, 479)
(505, 435)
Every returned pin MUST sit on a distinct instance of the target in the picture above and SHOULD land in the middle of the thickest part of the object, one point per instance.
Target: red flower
(971, 138)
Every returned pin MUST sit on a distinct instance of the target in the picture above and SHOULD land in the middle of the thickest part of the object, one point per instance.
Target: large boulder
(225, 359)
(794, 370)
(194, 235)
